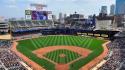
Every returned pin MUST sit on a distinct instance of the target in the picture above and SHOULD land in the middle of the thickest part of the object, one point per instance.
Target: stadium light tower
(38, 7)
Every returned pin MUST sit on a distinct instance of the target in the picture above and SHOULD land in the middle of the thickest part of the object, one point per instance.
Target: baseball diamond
(61, 52)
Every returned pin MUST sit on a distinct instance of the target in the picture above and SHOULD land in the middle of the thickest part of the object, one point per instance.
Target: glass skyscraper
(112, 9)
(104, 9)
(120, 7)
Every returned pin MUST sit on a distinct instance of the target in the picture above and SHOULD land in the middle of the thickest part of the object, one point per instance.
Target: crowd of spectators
(5, 43)
(117, 59)
(8, 59)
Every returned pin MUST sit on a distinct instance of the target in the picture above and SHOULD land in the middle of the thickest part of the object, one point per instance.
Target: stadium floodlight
(38, 6)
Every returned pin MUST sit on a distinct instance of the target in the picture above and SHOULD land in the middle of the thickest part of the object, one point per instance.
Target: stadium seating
(3, 28)
(117, 59)
(25, 25)
(81, 26)
(4, 43)
(8, 59)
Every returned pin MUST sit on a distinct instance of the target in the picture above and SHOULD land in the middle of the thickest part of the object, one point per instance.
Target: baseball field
(61, 52)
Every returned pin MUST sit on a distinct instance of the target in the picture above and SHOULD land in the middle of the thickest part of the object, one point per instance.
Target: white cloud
(66, 0)
(38, 1)
(100, 1)
(11, 6)
(47, 1)
(10, 3)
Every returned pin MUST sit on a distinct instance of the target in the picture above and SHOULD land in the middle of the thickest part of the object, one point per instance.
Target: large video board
(36, 15)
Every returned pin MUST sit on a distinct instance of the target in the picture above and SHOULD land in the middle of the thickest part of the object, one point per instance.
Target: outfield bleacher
(25, 25)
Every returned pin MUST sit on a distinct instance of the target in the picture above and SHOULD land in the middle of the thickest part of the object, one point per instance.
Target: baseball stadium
(41, 42)
(62, 52)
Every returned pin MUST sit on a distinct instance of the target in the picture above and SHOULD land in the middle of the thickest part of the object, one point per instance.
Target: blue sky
(16, 8)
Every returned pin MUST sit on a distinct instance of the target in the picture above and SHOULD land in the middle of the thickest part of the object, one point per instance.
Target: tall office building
(54, 17)
(61, 19)
(60, 16)
(120, 7)
(104, 9)
(112, 9)
(65, 15)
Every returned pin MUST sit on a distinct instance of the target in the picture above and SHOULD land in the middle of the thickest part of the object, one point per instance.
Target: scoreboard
(36, 15)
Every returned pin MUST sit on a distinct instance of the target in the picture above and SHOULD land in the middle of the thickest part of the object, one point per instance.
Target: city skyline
(16, 8)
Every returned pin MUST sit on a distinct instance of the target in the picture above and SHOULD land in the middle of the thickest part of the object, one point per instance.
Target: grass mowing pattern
(55, 56)
(27, 46)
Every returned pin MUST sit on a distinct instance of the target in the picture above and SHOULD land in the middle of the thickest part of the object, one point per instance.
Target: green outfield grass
(27, 46)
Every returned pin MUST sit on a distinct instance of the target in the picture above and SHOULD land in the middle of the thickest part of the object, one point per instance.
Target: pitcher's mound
(62, 55)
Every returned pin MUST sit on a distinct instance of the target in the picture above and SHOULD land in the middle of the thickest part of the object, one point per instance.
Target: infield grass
(68, 56)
